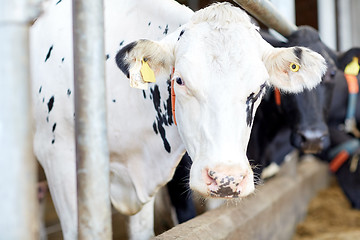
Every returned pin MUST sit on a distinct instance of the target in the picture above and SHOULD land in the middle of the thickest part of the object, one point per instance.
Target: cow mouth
(227, 192)
(224, 193)
(311, 148)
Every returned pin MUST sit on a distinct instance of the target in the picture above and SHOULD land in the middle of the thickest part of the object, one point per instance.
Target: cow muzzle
(311, 141)
(228, 182)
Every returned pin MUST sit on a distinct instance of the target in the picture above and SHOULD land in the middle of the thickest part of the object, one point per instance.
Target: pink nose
(225, 182)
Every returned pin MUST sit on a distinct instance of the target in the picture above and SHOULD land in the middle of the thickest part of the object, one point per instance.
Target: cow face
(307, 112)
(221, 68)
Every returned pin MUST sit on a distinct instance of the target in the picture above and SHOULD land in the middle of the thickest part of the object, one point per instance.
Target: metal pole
(345, 25)
(94, 212)
(265, 12)
(286, 9)
(327, 22)
(18, 208)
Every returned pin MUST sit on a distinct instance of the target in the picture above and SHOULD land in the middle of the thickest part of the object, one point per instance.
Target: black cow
(305, 114)
(335, 84)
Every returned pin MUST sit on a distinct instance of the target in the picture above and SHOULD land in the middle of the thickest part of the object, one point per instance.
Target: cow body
(130, 111)
(145, 145)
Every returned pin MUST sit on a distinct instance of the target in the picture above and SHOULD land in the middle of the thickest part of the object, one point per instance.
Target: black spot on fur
(68, 92)
(62, 60)
(155, 127)
(50, 104)
(114, 100)
(121, 43)
(53, 141)
(298, 53)
(250, 104)
(149, 23)
(168, 103)
(49, 53)
(120, 58)
(54, 127)
(249, 109)
(156, 99)
(107, 56)
(40, 89)
(161, 117)
(163, 136)
(144, 94)
(181, 33)
(43, 100)
(58, 2)
(166, 29)
(47, 119)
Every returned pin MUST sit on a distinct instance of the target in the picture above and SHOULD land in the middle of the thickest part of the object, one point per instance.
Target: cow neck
(173, 97)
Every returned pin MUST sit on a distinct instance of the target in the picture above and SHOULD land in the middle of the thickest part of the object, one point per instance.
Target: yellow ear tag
(146, 72)
(353, 67)
(294, 67)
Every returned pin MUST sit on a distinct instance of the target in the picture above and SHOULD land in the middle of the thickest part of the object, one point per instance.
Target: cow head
(221, 68)
(307, 111)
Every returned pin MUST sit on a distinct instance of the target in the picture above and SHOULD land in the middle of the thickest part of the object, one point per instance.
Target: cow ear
(294, 69)
(156, 57)
(346, 57)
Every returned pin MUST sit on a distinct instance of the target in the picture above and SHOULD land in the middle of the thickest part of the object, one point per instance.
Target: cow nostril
(303, 138)
(209, 177)
(312, 136)
(323, 138)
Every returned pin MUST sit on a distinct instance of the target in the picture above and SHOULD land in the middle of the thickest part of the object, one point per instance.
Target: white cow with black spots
(220, 66)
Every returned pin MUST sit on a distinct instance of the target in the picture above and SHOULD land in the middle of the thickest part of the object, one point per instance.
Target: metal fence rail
(94, 212)
(18, 208)
(265, 12)
(271, 214)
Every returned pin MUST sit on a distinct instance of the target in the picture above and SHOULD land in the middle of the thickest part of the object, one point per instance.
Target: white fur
(139, 164)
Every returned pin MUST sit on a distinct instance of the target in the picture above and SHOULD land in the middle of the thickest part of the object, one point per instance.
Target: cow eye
(179, 81)
(333, 73)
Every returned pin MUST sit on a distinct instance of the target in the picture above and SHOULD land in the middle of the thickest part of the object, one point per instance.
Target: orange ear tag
(147, 73)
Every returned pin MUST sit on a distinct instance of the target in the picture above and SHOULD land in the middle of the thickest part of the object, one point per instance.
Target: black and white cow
(220, 66)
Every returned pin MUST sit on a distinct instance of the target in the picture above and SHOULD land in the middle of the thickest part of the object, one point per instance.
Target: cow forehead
(229, 58)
